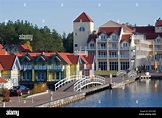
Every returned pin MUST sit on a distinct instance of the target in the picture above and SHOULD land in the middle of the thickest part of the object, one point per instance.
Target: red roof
(158, 23)
(22, 48)
(1, 46)
(126, 37)
(92, 37)
(83, 17)
(144, 29)
(149, 31)
(3, 52)
(7, 61)
(1, 67)
(110, 30)
(2, 80)
(87, 59)
(73, 58)
(65, 57)
(125, 27)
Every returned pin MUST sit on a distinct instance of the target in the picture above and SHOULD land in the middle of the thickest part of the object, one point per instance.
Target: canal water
(146, 93)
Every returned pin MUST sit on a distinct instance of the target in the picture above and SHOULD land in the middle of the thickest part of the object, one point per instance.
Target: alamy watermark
(26, 37)
(12, 112)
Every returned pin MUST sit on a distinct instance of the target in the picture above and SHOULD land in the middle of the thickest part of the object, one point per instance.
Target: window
(113, 65)
(103, 65)
(124, 65)
(113, 54)
(158, 40)
(103, 37)
(114, 45)
(81, 28)
(103, 45)
(92, 46)
(76, 45)
(158, 47)
(125, 45)
(114, 37)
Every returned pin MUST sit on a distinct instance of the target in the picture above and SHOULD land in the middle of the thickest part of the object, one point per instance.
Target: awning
(2, 80)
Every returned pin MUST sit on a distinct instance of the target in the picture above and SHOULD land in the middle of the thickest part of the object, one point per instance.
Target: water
(146, 93)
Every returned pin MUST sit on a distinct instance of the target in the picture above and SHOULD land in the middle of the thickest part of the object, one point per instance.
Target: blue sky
(59, 14)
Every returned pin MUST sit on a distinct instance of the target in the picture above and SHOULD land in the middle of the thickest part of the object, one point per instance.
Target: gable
(58, 58)
(26, 57)
(16, 64)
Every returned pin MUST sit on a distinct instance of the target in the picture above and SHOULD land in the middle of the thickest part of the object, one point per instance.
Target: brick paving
(37, 100)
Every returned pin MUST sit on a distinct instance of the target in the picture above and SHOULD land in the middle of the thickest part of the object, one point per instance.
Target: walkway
(38, 100)
(56, 95)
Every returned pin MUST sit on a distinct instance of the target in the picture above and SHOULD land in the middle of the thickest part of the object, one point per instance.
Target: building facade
(116, 46)
(52, 67)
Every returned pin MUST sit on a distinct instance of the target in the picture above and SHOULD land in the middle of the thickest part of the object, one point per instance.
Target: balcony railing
(102, 56)
(113, 48)
(113, 40)
(26, 67)
(40, 67)
(158, 42)
(91, 48)
(124, 48)
(124, 56)
(158, 49)
(102, 48)
(113, 56)
(56, 67)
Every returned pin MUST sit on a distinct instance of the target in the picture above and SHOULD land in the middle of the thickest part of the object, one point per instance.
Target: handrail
(88, 80)
(67, 80)
(120, 72)
(132, 73)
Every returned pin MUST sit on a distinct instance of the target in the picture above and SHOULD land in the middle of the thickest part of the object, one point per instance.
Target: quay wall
(63, 101)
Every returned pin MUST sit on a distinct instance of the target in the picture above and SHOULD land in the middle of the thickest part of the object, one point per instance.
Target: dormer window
(158, 40)
(81, 29)
(125, 44)
(92, 46)
(113, 37)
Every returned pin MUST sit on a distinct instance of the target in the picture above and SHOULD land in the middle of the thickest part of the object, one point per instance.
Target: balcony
(102, 48)
(26, 67)
(158, 43)
(113, 57)
(113, 48)
(101, 40)
(102, 56)
(158, 49)
(124, 48)
(91, 48)
(113, 40)
(124, 56)
(40, 67)
(56, 67)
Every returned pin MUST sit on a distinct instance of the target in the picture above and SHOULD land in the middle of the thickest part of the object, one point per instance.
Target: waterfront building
(52, 67)
(117, 46)
(9, 70)
(12, 48)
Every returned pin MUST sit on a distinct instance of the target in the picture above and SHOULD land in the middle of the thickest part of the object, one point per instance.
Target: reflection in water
(137, 94)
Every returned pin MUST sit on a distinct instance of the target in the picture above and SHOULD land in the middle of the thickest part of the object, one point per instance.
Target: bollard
(3, 103)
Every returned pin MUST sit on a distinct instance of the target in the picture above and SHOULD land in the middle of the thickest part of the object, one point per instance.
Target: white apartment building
(116, 46)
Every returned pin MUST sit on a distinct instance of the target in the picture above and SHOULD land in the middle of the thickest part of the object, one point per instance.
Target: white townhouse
(116, 46)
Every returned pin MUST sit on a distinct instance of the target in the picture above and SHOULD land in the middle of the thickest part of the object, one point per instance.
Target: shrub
(40, 87)
(5, 95)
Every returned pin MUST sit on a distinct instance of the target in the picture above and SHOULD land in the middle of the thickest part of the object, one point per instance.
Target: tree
(68, 42)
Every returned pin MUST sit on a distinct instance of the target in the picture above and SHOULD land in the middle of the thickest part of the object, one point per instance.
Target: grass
(105, 72)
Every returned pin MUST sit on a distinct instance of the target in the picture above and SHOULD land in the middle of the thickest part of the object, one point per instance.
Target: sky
(60, 14)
